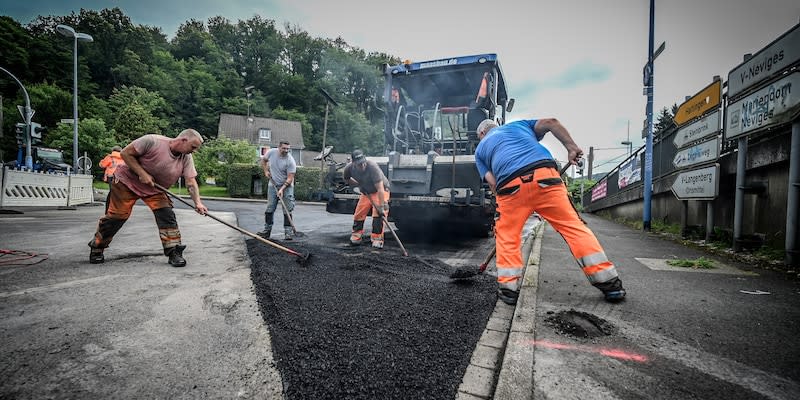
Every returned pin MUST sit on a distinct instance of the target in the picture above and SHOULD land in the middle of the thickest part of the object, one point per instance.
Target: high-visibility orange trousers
(363, 208)
(544, 192)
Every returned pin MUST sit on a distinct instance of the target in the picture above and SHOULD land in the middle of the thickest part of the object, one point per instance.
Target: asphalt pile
(357, 323)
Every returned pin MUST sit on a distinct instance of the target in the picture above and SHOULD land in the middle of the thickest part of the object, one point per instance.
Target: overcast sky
(577, 60)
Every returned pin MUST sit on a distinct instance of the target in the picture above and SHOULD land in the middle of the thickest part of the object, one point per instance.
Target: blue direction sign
(699, 154)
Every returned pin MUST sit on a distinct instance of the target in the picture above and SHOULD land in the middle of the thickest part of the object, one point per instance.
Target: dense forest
(132, 80)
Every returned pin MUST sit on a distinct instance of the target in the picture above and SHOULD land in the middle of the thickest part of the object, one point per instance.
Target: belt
(527, 170)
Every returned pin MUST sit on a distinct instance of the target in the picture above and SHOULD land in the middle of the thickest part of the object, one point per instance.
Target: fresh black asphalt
(359, 323)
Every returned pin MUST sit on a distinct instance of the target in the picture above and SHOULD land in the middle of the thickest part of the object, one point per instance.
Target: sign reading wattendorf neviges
(700, 129)
(779, 54)
(697, 184)
(774, 104)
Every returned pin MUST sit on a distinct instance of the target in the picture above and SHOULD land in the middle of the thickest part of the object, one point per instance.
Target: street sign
(701, 153)
(698, 184)
(782, 52)
(771, 105)
(22, 113)
(705, 100)
(700, 129)
(67, 121)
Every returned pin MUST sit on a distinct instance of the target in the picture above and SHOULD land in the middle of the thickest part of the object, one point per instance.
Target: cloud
(582, 73)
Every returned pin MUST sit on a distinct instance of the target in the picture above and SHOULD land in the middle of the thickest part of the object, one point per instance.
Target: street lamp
(68, 31)
(248, 90)
(629, 144)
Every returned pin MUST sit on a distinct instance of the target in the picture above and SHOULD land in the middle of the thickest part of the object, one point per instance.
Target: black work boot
(96, 256)
(508, 296)
(612, 290)
(176, 256)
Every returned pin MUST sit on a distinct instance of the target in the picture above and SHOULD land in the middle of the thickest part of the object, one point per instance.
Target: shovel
(302, 259)
(286, 213)
(462, 273)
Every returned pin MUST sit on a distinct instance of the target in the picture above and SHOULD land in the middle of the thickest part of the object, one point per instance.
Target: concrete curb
(488, 360)
(516, 374)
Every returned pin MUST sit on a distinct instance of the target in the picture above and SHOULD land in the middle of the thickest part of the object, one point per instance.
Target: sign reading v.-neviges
(774, 104)
(779, 54)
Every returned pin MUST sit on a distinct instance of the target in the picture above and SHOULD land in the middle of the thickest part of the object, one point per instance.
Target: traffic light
(36, 130)
(20, 132)
(36, 133)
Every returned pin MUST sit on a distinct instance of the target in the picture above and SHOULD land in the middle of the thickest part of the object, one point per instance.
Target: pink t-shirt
(157, 159)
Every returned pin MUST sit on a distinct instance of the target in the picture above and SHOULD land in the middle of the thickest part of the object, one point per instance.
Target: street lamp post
(249, 91)
(68, 31)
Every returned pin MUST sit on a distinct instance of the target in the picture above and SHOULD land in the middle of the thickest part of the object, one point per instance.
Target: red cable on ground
(21, 256)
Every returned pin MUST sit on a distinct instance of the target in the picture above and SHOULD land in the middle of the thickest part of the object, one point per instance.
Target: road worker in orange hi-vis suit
(525, 178)
(371, 181)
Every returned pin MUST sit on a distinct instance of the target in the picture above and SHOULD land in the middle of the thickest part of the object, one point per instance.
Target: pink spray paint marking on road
(619, 354)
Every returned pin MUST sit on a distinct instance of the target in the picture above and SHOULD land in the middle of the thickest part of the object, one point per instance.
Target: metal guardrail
(39, 189)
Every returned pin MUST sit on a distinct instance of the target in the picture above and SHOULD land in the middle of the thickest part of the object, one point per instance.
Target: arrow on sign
(698, 184)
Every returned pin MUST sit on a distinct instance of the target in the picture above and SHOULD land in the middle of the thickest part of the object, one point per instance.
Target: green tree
(214, 157)
(94, 138)
(136, 112)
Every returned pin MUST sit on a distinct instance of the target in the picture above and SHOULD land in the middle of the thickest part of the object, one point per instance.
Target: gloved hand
(386, 206)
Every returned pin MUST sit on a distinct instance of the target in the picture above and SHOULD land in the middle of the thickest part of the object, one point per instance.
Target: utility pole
(648, 152)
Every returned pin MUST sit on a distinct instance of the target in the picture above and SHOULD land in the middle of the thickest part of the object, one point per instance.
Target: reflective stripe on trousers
(544, 192)
(119, 205)
(363, 209)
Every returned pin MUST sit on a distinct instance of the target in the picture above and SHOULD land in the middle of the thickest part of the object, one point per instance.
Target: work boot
(355, 238)
(266, 232)
(612, 290)
(508, 296)
(176, 256)
(96, 256)
(377, 243)
(288, 233)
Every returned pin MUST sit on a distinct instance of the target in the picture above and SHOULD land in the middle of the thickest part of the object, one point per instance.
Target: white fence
(36, 189)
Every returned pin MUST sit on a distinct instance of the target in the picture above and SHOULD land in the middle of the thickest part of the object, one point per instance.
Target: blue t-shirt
(508, 148)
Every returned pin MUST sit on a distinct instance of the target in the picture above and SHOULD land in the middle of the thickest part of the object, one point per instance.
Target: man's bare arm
(131, 158)
(194, 191)
(544, 125)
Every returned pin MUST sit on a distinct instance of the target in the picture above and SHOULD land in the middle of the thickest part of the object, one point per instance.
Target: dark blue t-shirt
(508, 148)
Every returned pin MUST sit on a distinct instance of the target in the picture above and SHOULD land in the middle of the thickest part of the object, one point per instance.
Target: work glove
(385, 206)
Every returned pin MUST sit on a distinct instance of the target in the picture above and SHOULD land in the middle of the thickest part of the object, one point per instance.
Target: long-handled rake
(286, 213)
(386, 222)
(302, 259)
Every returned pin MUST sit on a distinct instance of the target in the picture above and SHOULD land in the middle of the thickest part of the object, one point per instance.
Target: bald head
(191, 134)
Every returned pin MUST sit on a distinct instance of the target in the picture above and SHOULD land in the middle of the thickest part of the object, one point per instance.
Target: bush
(240, 179)
(306, 183)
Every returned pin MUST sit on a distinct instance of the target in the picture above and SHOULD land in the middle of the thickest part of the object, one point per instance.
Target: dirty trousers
(543, 191)
(363, 208)
(118, 209)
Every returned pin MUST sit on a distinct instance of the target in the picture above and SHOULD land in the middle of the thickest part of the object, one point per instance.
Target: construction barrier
(39, 189)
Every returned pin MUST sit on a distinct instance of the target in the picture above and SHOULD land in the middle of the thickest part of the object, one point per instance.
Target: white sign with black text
(700, 129)
(697, 184)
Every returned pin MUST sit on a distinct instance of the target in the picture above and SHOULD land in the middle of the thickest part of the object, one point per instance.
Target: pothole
(579, 324)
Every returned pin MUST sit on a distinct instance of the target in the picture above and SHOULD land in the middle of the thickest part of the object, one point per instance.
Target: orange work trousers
(363, 208)
(119, 206)
(543, 191)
